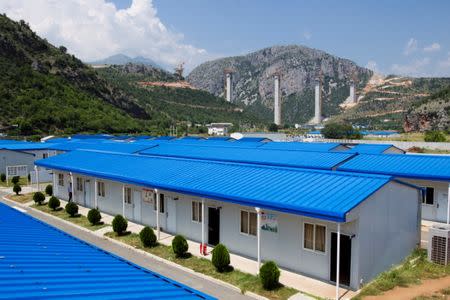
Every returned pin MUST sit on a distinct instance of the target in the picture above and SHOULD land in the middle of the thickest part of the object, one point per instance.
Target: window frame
(161, 203)
(101, 189)
(128, 195)
(248, 212)
(314, 250)
(199, 211)
(425, 196)
(79, 184)
(60, 179)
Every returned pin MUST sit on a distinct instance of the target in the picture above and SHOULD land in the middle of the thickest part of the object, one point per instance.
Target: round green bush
(220, 257)
(269, 275)
(94, 216)
(72, 209)
(3, 177)
(17, 189)
(180, 246)
(148, 237)
(49, 190)
(119, 224)
(15, 179)
(38, 197)
(54, 203)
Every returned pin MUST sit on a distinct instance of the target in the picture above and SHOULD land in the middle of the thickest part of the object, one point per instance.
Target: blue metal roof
(401, 165)
(315, 160)
(92, 136)
(120, 147)
(22, 146)
(370, 148)
(38, 261)
(320, 194)
(301, 146)
(250, 139)
(164, 137)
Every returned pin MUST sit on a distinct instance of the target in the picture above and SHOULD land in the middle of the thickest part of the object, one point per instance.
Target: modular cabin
(293, 216)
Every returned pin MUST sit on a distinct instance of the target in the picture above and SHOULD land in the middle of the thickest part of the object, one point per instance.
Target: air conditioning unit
(438, 244)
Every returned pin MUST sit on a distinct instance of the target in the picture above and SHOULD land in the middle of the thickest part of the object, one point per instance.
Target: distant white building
(219, 128)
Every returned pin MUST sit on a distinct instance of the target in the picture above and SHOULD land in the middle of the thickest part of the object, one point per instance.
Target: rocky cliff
(253, 84)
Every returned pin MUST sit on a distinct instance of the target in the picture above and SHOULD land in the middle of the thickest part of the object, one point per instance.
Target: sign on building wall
(269, 222)
(148, 196)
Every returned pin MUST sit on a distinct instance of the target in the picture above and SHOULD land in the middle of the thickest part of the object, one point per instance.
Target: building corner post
(158, 231)
(448, 204)
(36, 170)
(95, 194)
(258, 234)
(123, 200)
(338, 256)
(203, 229)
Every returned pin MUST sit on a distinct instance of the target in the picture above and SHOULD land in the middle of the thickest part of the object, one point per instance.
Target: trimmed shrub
(180, 246)
(15, 179)
(148, 237)
(119, 224)
(72, 209)
(220, 257)
(54, 203)
(269, 275)
(49, 190)
(17, 189)
(3, 177)
(38, 197)
(94, 216)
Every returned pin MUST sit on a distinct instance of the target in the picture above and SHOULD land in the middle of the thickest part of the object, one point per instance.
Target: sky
(401, 37)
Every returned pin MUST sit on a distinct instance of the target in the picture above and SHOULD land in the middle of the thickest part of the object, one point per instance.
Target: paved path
(189, 279)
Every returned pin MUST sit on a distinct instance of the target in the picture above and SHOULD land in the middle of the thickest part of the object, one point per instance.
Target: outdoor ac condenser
(438, 244)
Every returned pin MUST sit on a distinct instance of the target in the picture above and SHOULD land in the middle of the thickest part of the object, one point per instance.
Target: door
(213, 226)
(345, 259)
(137, 200)
(442, 202)
(171, 215)
(128, 202)
(87, 194)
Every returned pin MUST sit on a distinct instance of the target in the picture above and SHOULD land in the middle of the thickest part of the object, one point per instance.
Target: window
(100, 188)
(127, 195)
(161, 203)
(314, 237)
(79, 184)
(428, 197)
(44, 155)
(197, 211)
(61, 179)
(248, 222)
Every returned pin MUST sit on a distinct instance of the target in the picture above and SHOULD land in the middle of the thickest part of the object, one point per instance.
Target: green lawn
(79, 220)
(415, 268)
(21, 198)
(245, 281)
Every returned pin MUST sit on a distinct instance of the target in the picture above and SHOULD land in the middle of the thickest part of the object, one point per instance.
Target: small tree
(15, 179)
(54, 203)
(3, 177)
(119, 224)
(434, 136)
(269, 275)
(94, 216)
(17, 189)
(340, 131)
(180, 246)
(49, 190)
(220, 257)
(273, 127)
(38, 197)
(148, 237)
(72, 209)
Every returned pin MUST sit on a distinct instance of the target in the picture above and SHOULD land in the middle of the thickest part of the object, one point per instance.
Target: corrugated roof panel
(120, 147)
(316, 160)
(22, 146)
(370, 148)
(321, 194)
(38, 261)
(401, 165)
(251, 139)
(301, 146)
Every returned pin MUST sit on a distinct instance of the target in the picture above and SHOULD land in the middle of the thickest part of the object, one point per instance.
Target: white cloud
(95, 29)
(417, 67)
(411, 46)
(372, 65)
(432, 48)
(307, 35)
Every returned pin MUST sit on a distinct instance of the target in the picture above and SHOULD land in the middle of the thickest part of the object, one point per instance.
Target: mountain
(397, 102)
(122, 59)
(430, 113)
(45, 90)
(253, 84)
